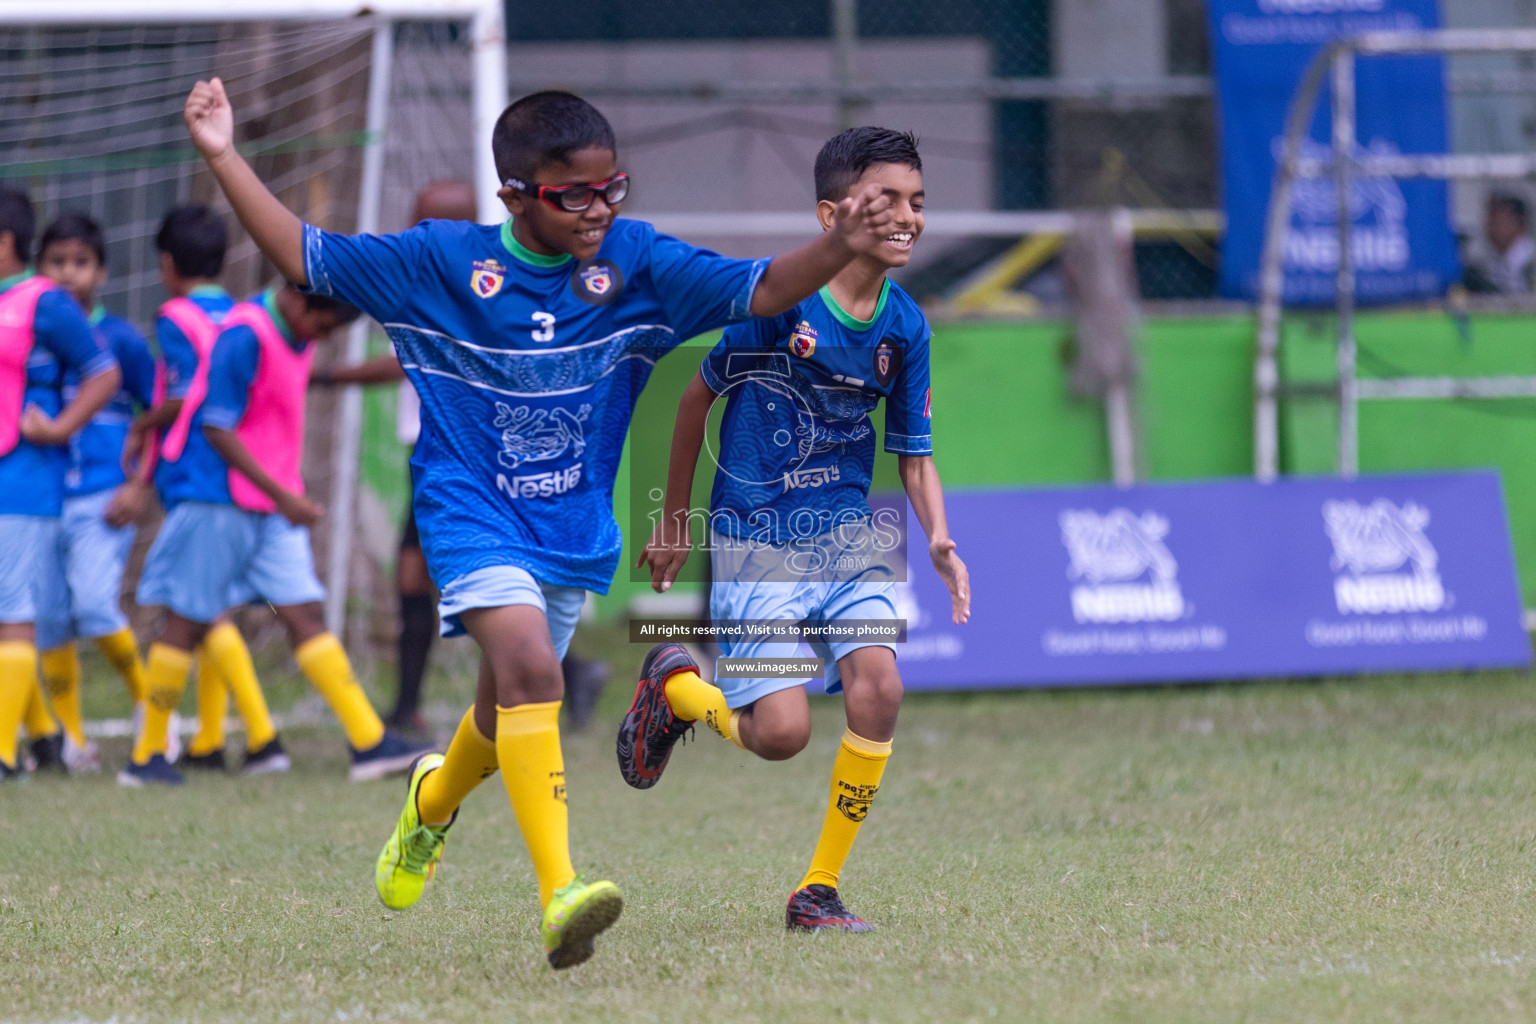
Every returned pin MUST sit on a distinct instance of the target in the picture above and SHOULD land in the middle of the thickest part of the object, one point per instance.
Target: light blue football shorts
(747, 587)
(24, 540)
(499, 586)
(82, 576)
(210, 558)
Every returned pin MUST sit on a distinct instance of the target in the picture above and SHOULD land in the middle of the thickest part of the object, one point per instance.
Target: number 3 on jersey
(546, 329)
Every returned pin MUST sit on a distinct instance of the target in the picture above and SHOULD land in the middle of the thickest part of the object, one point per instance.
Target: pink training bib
(202, 330)
(18, 312)
(273, 424)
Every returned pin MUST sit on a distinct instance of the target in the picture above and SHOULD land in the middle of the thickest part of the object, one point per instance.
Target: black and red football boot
(817, 908)
(650, 730)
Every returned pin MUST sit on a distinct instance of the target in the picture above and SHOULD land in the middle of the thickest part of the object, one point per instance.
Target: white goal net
(345, 110)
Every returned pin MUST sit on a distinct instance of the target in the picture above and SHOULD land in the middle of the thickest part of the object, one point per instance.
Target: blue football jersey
(528, 367)
(797, 446)
(199, 475)
(32, 476)
(96, 452)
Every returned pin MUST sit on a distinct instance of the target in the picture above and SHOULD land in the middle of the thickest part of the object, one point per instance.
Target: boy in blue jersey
(528, 345)
(191, 245)
(792, 535)
(43, 336)
(82, 575)
(240, 529)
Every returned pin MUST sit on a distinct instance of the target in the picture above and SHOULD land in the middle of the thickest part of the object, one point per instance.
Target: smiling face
(550, 232)
(73, 266)
(904, 186)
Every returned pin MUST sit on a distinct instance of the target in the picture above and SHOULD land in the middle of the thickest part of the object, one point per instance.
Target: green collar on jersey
(527, 255)
(269, 303)
(845, 318)
(206, 289)
(98, 313)
(15, 279)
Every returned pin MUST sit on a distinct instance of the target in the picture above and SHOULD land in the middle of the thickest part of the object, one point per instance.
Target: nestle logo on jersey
(801, 478)
(487, 277)
(803, 342)
(540, 485)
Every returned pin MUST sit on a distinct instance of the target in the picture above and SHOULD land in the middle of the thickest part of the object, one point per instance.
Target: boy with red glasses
(528, 345)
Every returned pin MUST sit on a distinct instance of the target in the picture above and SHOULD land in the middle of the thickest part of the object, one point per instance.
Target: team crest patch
(487, 278)
(887, 362)
(803, 342)
(853, 803)
(597, 282)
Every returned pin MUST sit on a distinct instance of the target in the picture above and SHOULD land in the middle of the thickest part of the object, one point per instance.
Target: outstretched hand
(955, 576)
(210, 119)
(863, 221)
(667, 551)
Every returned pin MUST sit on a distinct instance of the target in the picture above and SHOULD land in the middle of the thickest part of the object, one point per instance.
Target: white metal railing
(1337, 62)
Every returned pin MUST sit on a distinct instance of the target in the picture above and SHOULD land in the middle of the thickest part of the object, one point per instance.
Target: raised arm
(921, 479)
(671, 539)
(860, 225)
(274, 229)
(380, 370)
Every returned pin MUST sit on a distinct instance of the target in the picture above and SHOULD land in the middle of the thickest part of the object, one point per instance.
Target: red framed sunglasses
(575, 198)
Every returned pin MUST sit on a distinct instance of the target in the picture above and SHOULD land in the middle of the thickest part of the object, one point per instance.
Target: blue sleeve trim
(711, 379)
(741, 307)
(97, 366)
(318, 282)
(903, 444)
(223, 419)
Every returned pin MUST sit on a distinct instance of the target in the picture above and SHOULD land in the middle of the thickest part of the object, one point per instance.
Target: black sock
(418, 624)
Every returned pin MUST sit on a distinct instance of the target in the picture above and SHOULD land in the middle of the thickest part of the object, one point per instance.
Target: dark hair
(74, 227)
(195, 238)
(845, 158)
(343, 311)
(16, 216)
(1511, 202)
(545, 128)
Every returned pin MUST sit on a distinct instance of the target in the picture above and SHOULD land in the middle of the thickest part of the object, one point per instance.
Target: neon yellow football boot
(578, 913)
(410, 858)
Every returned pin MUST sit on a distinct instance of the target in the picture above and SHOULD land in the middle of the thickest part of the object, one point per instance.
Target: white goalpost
(346, 106)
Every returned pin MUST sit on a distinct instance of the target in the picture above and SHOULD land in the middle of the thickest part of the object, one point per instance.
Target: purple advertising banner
(1220, 580)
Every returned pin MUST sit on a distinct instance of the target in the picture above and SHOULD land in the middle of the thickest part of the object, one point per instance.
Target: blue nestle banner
(1221, 580)
(1403, 243)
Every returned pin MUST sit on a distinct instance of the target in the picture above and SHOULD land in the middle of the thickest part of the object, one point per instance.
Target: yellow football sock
(165, 677)
(533, 769)
(225, 648)
(855, 781)
(61, 675)
(37, 721)
(325, 664)
(694, 699)
(122, 652)
(18, 676)
(471, 759)
(212, 706)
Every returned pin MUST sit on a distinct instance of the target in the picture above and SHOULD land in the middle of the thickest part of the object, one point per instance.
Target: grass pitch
(1358, 850)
